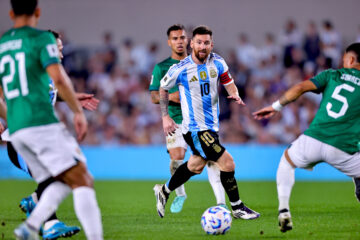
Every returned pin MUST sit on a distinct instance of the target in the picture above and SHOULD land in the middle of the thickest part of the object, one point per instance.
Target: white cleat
(285, 222)
(245, 213)
(23, 232)
(161, 199)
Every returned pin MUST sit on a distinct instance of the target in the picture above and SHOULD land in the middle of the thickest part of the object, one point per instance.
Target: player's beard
(203, 57)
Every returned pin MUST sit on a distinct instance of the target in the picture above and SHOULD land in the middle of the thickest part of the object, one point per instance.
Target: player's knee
(226, 162)
(196, 168)
(176, 154)
(83, 180)
(77, 176)
(229, 166)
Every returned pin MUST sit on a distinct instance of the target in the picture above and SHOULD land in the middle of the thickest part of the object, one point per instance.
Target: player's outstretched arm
(234, 93)
(289, 96)
(168, 123)
(66, 92)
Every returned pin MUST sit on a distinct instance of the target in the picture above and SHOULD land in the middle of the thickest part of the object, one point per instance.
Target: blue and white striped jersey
(198, 88)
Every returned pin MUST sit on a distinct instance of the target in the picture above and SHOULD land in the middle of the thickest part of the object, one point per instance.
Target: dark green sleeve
(321, 80)
(155, 79)
(49, 52)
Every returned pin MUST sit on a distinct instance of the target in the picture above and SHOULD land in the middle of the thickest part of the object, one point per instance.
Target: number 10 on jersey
(205, 89)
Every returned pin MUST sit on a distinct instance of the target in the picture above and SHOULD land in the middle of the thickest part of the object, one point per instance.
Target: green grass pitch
(321, 210)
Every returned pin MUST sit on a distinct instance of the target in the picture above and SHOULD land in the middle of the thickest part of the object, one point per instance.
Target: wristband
(277, 106)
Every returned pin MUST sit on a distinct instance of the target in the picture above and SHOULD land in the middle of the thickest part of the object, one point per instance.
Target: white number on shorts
(336, 95)
(7, 59)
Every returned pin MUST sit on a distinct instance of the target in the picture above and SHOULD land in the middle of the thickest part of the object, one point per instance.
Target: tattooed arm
(168, 123)
(164, 101)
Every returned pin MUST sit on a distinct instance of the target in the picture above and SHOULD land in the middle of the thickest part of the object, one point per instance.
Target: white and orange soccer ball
(216, 220)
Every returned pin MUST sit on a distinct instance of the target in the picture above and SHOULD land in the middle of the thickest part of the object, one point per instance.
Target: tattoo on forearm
(284, 101)
(164, 102)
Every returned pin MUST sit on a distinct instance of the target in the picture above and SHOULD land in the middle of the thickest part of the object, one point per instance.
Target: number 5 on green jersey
(336, 95)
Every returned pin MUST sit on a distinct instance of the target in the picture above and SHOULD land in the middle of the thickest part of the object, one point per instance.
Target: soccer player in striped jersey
(198, 76)
(176, 145)
(332, 137)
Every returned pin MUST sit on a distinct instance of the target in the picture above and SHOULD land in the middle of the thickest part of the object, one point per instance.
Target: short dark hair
(56, 34)
(328, 24)
(202, 30)
(355, 48)
(174, 27)
(24, 7)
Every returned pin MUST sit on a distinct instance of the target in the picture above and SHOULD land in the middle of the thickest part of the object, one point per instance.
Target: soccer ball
(216, 220)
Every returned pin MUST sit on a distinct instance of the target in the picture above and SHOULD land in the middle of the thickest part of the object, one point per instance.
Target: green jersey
(24, 55)
(158, 73)
(337, 121)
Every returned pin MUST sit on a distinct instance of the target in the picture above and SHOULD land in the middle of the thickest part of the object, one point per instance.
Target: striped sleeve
(223, 70)
(169, 80)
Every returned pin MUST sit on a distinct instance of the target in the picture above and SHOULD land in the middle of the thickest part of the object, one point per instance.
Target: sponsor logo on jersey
(203, 75)
(212, 73)
(194, 79)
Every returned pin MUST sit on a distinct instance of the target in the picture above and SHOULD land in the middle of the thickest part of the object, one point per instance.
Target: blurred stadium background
(111, 47)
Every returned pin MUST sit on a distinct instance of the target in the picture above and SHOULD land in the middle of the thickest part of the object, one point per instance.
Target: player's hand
(174, 97)
(169, 125)
(80, 125)
(88, 101)
(264, 113)
(236, 99)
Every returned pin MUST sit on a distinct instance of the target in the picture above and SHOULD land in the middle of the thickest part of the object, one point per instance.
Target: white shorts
(306, 152)
(48, 150)
(176, 140)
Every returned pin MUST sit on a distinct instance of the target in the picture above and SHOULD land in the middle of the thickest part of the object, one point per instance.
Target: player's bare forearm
(296, 91)
(232, 89)
(289, 96)
(64, 86)
(164, 102)
(233, 93)
(155, 97)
